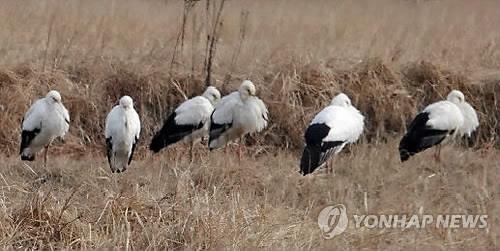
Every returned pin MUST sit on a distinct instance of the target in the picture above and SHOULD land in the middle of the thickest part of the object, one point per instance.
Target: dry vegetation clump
(387, 95)
(377, 90)
(42, 220)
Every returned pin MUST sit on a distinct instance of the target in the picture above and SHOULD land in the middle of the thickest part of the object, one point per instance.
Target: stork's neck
(49, 101)
(244, 97)
(212, 101)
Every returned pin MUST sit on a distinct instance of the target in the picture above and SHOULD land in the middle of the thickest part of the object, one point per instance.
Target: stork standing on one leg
(438, 122)
(44, 121)
(334, 127)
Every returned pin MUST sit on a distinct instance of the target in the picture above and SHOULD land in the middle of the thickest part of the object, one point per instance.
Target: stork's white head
(341, 100)
(126, 102)
(212, 94)
(54, 96)
(247, 89)
(456, 97)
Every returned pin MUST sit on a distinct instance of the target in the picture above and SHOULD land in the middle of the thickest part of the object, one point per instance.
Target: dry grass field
(390, 56)
(262, 202)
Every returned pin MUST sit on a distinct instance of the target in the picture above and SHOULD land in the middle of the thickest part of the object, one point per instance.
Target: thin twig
(47, 43)
(213, 43)
(188, 6)
(237, 51)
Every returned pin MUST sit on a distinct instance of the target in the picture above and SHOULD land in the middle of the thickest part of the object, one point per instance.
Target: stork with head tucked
(44, 121)
(236, 115)
(122, 131)
(438, 122)
(190, 121)
(329, 132)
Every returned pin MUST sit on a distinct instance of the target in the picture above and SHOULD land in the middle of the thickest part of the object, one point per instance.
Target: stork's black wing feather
(420, 137)
(171, 132)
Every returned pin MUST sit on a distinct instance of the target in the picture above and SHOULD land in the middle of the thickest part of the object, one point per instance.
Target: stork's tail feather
(118, 170)
(216, 141)
(404, 155)
(158, 142)
(310, 159)
(26, 138)
(216, 136)
(163, 139)
(172, 133)
(119, 163)
(27, 157)
(213, 144)
(109, 150)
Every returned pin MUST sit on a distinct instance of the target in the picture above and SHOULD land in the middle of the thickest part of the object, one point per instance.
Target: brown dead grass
(217, 203)
(387, 95)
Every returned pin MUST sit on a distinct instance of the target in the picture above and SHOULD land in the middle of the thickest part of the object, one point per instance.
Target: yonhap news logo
(333, 221)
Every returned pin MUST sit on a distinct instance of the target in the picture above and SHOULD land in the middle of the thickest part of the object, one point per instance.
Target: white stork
(334, 127)
(44, 121)
(123, 128)
(190, 121)
(236, 115)
(437, 122)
